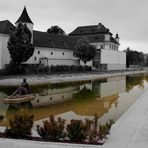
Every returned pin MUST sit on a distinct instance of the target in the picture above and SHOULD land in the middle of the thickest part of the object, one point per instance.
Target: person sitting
(26, 85)
(23, 89)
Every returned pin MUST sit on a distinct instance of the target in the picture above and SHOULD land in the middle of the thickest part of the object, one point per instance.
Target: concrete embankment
(64, 77)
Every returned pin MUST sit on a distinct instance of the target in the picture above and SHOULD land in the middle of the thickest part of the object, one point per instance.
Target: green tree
(134, 57)
(19, 44)
(56, 30)
(84, 51)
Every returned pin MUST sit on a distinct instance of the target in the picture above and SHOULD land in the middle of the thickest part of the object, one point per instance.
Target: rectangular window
(51, 53)
(63, 53)
(38, 52)
(35, 58)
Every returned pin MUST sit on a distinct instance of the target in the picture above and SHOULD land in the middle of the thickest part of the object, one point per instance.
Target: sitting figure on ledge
(23, 89)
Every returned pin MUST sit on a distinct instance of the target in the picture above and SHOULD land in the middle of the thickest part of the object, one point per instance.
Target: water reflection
(109, 98)
(135, 80)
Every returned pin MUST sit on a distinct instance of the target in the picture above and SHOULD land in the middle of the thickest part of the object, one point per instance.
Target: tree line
(134, 57)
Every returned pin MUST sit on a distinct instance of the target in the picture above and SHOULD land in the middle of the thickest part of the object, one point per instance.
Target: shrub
(70, 69)
(98, 134)
(77, 129)
(52, 130)
(104, 130)
(20, 126)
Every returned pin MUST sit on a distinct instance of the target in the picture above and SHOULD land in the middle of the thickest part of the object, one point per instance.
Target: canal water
(109, 98)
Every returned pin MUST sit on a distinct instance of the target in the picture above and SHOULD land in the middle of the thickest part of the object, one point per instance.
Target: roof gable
(5, 26)
(24, 17)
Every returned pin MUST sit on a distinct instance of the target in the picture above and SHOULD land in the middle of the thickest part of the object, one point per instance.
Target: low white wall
(116, 66)
(89, 63)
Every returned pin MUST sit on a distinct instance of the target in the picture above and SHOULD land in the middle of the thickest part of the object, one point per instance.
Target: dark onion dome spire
(24, 17)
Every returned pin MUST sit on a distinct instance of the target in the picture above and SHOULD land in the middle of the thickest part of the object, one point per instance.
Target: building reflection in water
(74, 102)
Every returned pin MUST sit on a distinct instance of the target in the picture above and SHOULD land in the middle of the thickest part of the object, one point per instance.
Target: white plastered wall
(106, 45)
(54, 56)
(4, 53)
(115, 60)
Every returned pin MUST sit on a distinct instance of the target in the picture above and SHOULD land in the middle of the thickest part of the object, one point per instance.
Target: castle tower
(25, 19)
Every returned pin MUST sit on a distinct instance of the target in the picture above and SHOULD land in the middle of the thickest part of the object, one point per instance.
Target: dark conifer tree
(19, 44)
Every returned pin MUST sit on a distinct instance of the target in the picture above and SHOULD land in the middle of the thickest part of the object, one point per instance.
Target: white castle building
(53, 49)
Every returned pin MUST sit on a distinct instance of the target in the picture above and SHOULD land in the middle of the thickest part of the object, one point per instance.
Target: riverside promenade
(130, 131)
(60, 78)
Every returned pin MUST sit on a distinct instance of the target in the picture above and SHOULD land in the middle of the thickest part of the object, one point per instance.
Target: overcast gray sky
(128, 18)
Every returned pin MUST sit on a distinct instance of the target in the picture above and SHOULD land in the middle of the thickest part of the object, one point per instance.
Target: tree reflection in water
(134, 80)
(84, 94)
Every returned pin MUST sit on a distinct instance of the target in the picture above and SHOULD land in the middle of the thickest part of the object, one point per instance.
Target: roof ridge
(87, 26)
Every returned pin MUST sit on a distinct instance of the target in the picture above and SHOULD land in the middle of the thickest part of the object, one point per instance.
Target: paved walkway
(131, 130)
